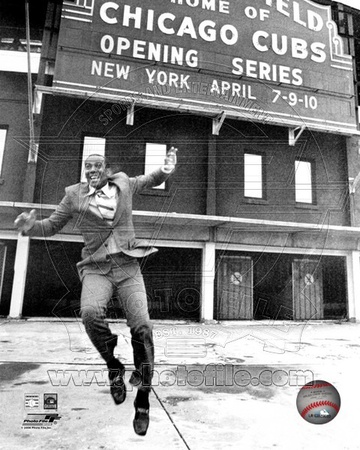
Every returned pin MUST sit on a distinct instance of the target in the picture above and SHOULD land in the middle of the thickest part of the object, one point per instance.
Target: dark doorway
(172, 277)
(286, 287)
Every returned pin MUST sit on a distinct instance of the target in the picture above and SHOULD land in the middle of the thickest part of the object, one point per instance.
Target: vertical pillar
(353, 284)
(20, 269)
(211, 178)
(46, 68)
(207, 281)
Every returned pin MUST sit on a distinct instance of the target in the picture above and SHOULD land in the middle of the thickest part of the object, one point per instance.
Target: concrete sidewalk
(228, 385)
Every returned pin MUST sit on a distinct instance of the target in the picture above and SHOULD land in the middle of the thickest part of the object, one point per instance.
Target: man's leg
(95, 295)
(96, 292)
(132, 295)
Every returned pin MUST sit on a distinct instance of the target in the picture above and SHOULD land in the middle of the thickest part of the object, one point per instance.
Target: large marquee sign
(280, 61)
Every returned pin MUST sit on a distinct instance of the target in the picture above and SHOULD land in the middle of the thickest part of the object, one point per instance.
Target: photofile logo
(40, 421)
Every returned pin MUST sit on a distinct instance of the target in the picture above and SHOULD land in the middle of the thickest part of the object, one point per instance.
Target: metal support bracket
(130, 114)
(293, 136)
(353, 182)
(33, 152)
(37, 104)
(217, 123)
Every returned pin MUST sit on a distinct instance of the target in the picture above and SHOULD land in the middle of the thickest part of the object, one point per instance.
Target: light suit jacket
(96, 230)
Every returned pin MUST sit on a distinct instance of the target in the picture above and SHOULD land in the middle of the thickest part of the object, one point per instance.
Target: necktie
(105, 204)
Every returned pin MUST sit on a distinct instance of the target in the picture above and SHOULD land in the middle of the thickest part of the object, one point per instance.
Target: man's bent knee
(142, 328)
(90, 314)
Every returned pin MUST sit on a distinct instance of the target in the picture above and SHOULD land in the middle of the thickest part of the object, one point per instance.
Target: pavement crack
(171, 419)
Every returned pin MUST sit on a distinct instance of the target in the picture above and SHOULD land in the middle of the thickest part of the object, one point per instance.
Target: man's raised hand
(170, 160)
(25, 221)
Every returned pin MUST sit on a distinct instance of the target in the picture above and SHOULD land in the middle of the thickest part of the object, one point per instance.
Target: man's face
(96, 172)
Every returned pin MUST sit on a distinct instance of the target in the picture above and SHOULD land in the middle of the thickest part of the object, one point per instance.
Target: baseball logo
(318, 402)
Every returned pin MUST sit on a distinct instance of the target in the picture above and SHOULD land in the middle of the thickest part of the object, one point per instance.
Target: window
(92, 145)
(253, 175)
(3, 132)
(303, 182)
(154, 158)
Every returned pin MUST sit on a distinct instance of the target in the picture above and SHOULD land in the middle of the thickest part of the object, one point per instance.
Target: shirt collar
(109, 191)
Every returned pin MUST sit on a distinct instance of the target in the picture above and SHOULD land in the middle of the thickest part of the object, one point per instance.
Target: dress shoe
(141, 420)
(135, 378)
(117, 385)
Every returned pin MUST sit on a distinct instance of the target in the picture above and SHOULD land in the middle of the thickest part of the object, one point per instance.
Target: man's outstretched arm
(27, 224)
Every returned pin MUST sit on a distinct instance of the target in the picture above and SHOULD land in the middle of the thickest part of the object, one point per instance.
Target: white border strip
(77, 19)
(71, 11)
(343, 68)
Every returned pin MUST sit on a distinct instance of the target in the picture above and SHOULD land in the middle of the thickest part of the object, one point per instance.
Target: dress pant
(125, 279)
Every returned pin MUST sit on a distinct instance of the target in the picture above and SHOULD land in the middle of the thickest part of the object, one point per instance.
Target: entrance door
(235, 288)
(307, 289)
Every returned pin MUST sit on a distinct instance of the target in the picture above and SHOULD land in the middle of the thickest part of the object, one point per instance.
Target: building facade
(260, 221)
